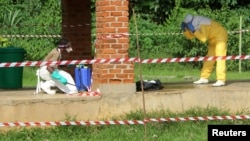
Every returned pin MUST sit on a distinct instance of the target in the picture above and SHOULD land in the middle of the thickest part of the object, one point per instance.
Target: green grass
(164, 131)
(181, 73)
(165, 72)
(29, 76)
(154, 131)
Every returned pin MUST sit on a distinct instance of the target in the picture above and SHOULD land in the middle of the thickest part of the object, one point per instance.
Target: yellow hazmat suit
(205, 29)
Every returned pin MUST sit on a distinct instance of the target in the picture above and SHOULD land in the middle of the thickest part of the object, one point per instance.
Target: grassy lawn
(154, 131)
(29, 76)
(164, 72)
(178, 73)
(162, 131)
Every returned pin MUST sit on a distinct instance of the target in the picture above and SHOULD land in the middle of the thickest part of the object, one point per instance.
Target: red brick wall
(76, 16)
(112, 18)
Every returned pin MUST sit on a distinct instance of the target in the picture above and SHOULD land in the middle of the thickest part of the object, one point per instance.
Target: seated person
(54, 77)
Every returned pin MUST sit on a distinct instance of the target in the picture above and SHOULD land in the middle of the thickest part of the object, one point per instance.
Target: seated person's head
(64, 44)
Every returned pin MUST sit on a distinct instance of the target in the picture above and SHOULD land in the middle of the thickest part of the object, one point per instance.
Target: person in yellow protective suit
(206, 29)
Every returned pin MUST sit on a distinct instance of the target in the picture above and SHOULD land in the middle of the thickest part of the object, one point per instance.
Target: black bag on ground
(149, 85)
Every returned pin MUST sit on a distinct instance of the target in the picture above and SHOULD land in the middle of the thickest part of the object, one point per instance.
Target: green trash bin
(11, 77)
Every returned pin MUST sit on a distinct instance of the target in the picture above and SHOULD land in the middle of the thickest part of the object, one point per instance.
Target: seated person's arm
(55, 75)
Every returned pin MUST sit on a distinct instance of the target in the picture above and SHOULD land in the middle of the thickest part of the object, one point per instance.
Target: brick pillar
(112, 18)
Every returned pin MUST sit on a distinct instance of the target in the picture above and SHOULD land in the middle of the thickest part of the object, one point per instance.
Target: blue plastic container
(82, 78)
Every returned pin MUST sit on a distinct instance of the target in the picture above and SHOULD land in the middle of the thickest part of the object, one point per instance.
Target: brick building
(112, 18)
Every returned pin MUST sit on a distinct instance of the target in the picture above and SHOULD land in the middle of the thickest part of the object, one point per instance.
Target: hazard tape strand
(137, 60)
(119, 35)
(95, 93)
(124, 122)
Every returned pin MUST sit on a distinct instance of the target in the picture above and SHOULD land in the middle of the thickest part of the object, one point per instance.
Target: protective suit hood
(188, 18)
(197, 21)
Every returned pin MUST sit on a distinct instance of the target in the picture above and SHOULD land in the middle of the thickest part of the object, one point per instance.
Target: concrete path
(22, 105)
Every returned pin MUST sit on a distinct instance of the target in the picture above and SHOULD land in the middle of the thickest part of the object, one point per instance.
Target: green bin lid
(11, 49)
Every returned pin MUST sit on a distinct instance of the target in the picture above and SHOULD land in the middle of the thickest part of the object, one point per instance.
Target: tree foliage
(158, 26)
(160, 10)
(31, 17)
(226, 12)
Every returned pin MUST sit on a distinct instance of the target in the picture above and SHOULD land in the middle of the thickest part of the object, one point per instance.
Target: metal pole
(140, 71)
(240, 43)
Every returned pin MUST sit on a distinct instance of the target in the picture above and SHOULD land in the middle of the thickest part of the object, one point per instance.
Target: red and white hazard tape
(65, 62)
(85, 94)
(42, 25)
(108, 36)
(113, 36)
(195, 59)
(88, 93)
(125, 122)
(159, 60)
(31, 36)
